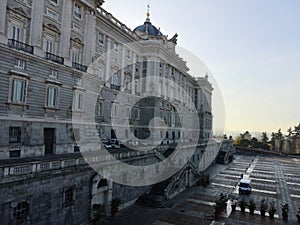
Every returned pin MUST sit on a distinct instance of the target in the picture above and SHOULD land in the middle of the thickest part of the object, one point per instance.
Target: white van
(245, 186)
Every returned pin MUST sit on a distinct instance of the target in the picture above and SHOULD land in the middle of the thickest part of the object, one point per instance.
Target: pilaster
(90, 38)
(36, 28)
(123, 65)
(3, 6)
(66, 31)
(133, 74)
(107, 66)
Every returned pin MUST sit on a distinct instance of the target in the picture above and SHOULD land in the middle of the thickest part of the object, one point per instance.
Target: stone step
(156, 201)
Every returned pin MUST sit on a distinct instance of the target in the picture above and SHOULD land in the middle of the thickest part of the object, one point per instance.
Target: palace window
(102, 183)
(100, 72)
(18, 90)
(78, 101)
(136, 114)
(76, 28)
(100, 38)
(15, 33)
(52, 96)
(19, 63)
(53, 74)
(14, 134)
(100, 109)
(115, 46)
(51, 14)
(21, 211)
(75, 56)
(115, 79)
(78, 81)
(127, 83)
(49, 46)
(69, 196)
(77, 10)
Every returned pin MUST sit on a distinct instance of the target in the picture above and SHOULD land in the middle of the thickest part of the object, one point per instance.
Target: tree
(296, 132)
(246, 135)
(279, 134)
(237, 140)
(272, 141)
(254, 142)
(264, 138)
(245, 143)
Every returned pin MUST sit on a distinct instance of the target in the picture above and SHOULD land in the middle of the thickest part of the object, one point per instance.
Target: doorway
(49, 140)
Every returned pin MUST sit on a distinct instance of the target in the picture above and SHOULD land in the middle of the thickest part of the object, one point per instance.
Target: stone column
(66, 30)
(89, 38)
(36, 28)
(107, 65)
(3, 37)
(133, 74)
(151, 72)
(123, 49)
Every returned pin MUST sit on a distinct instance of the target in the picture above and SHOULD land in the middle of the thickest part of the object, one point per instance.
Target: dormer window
(77, 10)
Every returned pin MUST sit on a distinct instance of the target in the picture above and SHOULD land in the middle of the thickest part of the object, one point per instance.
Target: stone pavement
(273, 178)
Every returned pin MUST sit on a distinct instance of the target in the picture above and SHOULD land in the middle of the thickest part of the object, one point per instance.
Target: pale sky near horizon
(252, 48)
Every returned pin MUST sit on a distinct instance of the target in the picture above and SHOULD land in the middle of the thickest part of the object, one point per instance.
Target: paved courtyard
(273, 178)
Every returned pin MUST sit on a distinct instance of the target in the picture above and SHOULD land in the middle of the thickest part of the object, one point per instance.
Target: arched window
(21, 211)
(102, 183)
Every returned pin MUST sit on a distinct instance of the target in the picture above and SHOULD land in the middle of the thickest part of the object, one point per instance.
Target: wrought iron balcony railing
(115, 87)
(54, 58)
(80, 67)
(20, 46)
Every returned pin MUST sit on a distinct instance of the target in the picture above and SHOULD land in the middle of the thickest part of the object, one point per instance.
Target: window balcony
(20, 46)
(54, 58)
(115, 87)
(79, 67)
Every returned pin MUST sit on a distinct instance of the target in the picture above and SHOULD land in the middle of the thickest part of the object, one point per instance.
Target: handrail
(20, 46)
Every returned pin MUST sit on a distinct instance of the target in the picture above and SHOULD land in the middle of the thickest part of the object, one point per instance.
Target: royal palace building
(55, 57)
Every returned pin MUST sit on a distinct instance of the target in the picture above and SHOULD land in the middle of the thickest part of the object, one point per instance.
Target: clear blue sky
(252, 48)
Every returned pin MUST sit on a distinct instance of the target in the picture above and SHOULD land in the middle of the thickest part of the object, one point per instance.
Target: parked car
(112, 143)
(245, 186)
(107, 144)
(115, 143)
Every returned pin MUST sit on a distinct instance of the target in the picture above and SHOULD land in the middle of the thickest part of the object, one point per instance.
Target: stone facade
(52, 53)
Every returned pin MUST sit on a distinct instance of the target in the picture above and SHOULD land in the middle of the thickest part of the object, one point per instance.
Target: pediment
(52, 27)
(20, 11)
(77, 40)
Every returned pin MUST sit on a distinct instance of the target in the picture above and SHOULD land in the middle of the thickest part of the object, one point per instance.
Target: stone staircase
(156, 197)
(155, 201)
